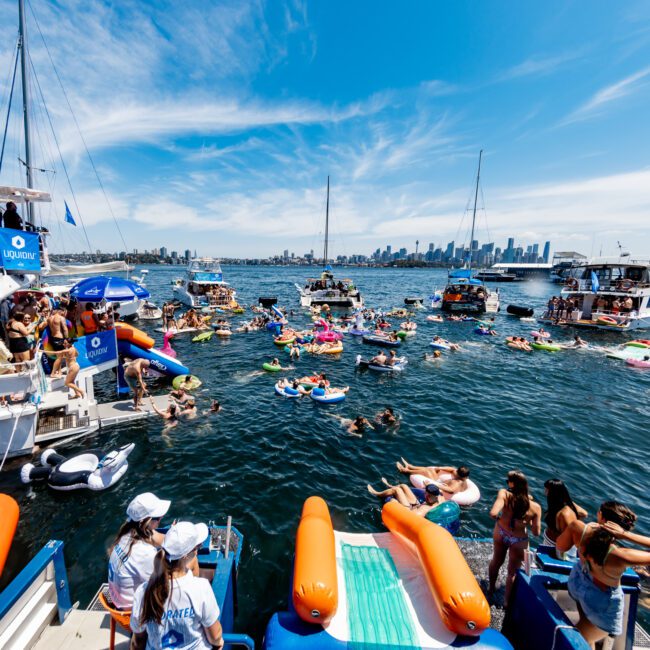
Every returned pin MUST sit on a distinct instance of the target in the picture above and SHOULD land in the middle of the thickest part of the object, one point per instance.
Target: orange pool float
(315, 585)
(457, 595)
(9, 513)
(126, 332)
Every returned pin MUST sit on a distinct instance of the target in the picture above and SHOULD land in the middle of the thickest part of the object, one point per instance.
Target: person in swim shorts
(419, 501)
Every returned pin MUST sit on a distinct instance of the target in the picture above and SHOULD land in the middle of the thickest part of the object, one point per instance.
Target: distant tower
(417, 243)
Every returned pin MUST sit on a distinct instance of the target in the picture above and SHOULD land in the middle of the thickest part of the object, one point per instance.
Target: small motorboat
(91, 469)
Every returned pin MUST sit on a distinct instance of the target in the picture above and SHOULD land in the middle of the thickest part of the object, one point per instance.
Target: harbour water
(575, 415)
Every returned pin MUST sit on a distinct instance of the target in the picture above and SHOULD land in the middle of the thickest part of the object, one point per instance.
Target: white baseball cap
(147, 505)
(182, 537)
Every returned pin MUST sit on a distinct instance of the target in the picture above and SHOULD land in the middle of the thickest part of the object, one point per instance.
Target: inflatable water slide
(407, 588)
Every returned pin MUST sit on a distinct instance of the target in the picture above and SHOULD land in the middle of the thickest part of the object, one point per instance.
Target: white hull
(332, 298)
(196, 301)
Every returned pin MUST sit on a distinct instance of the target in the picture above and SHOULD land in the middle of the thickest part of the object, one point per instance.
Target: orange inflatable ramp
(315, 586)
(126, 332)
(9, 513)
(456, 593)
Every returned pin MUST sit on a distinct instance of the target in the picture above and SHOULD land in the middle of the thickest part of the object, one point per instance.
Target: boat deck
(83, 630)
(112, 413)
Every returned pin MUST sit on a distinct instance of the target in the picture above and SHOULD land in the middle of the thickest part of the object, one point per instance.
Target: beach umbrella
(109, 288)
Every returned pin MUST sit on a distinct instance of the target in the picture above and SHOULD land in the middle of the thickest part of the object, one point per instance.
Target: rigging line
(11, 95)
(74, 117)
(487, 226)
(65, 169)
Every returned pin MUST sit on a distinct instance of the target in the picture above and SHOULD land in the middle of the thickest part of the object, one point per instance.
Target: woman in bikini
(595, 580)
(18, 329)
(561, 511)
(69, 354)
(514, 511)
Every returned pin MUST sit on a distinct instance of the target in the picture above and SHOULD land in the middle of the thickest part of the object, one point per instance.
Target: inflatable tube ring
(179, 381)
(467, 497)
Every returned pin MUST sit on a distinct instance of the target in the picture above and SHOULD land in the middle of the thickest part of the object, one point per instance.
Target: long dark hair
(557, 498)
(159, 588)
(518, 499)
(618, 513)
(136, 530)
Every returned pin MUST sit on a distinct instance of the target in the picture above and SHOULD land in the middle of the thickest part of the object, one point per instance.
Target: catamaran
(325, 290)
(463, 292)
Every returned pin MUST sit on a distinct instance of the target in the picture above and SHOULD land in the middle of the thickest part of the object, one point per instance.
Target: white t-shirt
(192, 607)
(126, 574)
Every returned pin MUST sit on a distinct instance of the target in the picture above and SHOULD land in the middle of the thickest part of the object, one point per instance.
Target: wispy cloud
(538, 66)
(596, 105)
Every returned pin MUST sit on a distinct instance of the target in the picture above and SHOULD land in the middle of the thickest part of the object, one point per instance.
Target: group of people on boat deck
(595, 578)
(189, 320)
(155, 577)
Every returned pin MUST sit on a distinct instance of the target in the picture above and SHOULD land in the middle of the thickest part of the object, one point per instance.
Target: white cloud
(596, 104)
(538, 66)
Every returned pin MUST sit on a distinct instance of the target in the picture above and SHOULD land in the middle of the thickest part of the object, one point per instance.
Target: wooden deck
(82, 630)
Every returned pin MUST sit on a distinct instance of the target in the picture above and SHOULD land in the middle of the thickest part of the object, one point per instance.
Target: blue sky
(215, 124)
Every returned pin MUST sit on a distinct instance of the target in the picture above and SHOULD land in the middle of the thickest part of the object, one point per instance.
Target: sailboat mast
(327, 221)
(24, 72)
(478, 176)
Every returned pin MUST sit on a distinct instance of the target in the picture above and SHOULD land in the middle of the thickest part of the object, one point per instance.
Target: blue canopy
(460, 274)
(105, 287)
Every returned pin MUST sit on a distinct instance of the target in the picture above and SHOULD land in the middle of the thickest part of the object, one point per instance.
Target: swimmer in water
(215, 407)
(359, 425)
(170, 415)
(387, 417)
(433, 357)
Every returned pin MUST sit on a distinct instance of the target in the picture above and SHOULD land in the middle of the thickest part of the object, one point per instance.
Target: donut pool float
(179, 381)
(286, 391)
(319, 395)
(467, 497)
(271, 368)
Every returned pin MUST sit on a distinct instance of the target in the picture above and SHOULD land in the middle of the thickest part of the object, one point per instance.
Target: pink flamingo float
(327, 335)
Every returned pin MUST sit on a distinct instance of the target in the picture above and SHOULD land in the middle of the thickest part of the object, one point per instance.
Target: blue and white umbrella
(109, 288)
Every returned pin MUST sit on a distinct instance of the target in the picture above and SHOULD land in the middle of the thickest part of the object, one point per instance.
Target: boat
(203, 286)
(496, 275)
(599, 290)
(37, 610)
(325, 290)
(562, 263)
(463, 292)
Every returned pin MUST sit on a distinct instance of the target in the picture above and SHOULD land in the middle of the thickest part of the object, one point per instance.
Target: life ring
(624, 284)
(92, 469)
(607, 320)
(319, 395)
(572, 283)
(467, 497)
(179, 381)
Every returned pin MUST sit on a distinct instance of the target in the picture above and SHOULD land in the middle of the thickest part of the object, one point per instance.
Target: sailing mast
(327, 222)
(478, 176)
(24, 71)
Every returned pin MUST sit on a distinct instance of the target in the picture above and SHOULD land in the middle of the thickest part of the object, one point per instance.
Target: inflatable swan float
(91, 469)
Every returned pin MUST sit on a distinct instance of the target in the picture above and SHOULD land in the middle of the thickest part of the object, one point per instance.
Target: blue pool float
(287, 391)
(319, 395)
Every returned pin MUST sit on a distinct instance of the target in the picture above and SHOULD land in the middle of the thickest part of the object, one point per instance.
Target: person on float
(176, 608)
(135, 547)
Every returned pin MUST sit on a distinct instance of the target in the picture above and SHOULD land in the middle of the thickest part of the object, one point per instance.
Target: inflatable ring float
(179, 381)
(287, 341)
(606, 320)
(319, 395)
(467, 497)
(286, 391)
(271, 368)
(572, 283)
(549, 347)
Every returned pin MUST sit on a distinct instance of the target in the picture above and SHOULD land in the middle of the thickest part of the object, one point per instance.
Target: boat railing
(620, 285)
(35, 597)
(22, 377)
(237, 640)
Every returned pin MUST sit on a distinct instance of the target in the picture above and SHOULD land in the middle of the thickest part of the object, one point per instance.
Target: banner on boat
(97, 350)
(19, 250)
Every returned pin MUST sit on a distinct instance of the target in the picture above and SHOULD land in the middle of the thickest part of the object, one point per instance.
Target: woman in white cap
(175, 609)
(135, 547)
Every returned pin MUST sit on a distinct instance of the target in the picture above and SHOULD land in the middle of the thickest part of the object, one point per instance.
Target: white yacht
(203, 286)
(606, 293)
(325, 290)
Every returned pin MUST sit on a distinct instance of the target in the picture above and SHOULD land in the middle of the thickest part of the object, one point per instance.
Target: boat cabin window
(636, 274)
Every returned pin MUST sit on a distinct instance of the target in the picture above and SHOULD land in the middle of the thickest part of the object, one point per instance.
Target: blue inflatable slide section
(159, 361)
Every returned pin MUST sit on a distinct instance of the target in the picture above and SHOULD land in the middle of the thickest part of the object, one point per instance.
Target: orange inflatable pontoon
(126, 332)
(458, 597)
(315, 585)
(9, 513)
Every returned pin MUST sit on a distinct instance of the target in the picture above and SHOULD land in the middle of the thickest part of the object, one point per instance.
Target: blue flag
(595, 284)
(68, 215)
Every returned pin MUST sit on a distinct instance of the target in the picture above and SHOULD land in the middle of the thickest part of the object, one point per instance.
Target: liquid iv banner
(19, 250)
(98, 349)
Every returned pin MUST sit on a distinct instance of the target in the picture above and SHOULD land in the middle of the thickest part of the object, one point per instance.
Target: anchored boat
(204, 286)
